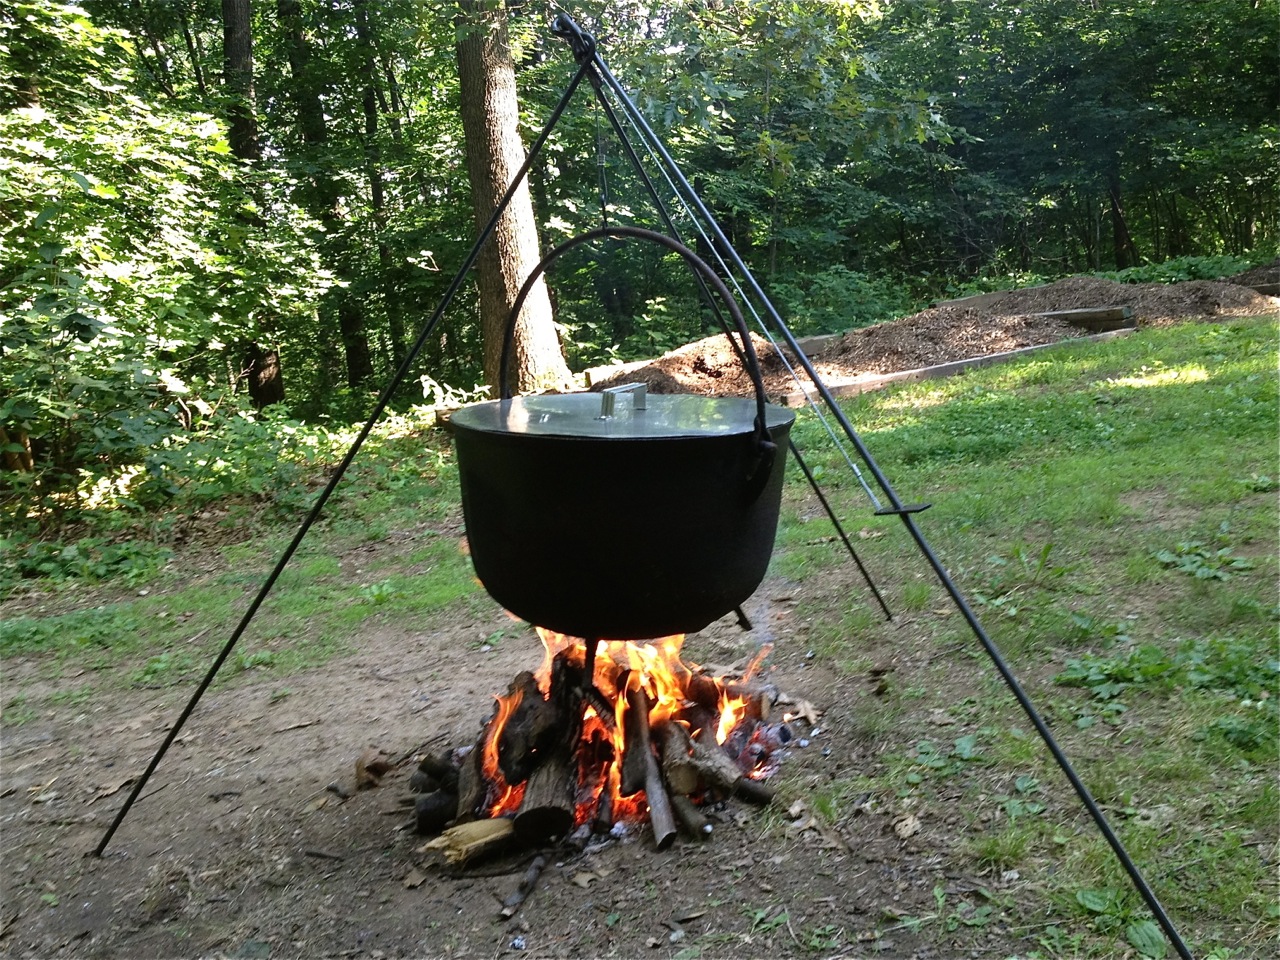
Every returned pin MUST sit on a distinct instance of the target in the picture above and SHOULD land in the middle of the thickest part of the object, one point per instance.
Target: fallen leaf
(653, 942)
(370, 767)
(866, 533)
(317, 802)
(464, 547)
(943, 611)
(908, 826)
(940, 718)
(584, 879)
(796, 809)
(108, 791)
(691, 913)
(415, 879)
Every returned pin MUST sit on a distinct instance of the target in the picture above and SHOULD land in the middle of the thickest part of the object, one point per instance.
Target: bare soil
(989, 324)
(237, 849)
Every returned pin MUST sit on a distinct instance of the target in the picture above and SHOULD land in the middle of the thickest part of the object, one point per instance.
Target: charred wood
(433, 811)
(522, 891)
(635, 726)
(692, 820)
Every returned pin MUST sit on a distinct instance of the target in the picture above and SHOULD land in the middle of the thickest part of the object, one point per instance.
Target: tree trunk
(325, 191)
(1126, 253)
(490, 115)
(237, 58)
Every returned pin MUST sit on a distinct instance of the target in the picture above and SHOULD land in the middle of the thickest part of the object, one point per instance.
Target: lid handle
(609, 395)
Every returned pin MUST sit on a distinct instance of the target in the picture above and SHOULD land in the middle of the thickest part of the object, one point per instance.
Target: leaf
(1147, 938)
(1096, 901)
(47, 214)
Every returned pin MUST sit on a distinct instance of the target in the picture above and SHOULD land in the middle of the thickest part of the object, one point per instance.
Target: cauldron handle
(767, 449)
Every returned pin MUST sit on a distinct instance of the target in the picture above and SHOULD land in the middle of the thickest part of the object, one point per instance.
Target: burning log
(546, 812)
(635, 727)
(533, 727)
(718, 770)
(547, 809)
(640, 769)
(466, 842)
(678, 768)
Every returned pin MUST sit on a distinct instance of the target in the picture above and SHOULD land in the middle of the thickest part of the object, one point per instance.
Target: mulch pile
(994, 323)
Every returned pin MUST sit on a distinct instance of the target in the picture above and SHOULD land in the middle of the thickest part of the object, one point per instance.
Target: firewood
(690, 817)
(471, 785)
(678, 768)
(637, 749)
(466, 842)
(546, 812)
(433, 810)
(719, 771)
(533, 727)
(661, 819)
(522, 891)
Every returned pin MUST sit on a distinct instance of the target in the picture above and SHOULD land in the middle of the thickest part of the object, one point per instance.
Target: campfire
(601, 738)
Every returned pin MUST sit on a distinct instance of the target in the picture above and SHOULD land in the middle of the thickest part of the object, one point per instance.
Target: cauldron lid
(665, 416)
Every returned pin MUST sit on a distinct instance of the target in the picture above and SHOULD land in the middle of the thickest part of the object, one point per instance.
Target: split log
(678, 768)
(466, 842)
(691, 818)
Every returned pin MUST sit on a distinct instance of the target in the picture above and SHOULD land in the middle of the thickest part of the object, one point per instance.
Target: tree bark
(325, 190)
(237, 59)
(490, 116)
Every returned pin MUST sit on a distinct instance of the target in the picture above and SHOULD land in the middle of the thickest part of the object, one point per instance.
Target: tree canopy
(183, 181)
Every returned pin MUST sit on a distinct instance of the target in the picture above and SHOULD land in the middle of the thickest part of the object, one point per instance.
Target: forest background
(190, 186)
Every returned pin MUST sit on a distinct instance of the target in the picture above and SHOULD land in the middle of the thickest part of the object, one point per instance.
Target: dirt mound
(1267, 273)
(711, 367)
(940, 335)
(993, 323)
(1152, 303)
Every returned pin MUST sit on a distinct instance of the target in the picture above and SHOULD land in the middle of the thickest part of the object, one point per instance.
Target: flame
(657, 671)
(509, 796)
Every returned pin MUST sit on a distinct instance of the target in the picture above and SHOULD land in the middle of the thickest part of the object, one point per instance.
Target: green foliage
(127, 265)
(1183, 268)
(90, 558)
(1202, 562)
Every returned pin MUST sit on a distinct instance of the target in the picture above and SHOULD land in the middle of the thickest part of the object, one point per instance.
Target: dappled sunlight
(1160, 377)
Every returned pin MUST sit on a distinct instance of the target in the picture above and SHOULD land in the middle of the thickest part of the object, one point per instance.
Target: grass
(1125, 564)
(1109, 509)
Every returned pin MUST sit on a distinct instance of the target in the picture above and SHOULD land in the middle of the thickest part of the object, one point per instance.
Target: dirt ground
(991, 323)
(238, 849)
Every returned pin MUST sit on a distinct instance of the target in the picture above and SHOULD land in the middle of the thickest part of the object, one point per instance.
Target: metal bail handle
(766, 448)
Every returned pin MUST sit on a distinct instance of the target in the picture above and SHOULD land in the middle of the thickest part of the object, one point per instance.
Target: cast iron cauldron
(627, 520)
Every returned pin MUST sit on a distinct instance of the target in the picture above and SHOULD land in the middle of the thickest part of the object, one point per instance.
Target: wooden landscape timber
(879, 381)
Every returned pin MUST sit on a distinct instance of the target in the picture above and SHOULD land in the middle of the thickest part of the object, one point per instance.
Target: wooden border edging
(799, 397)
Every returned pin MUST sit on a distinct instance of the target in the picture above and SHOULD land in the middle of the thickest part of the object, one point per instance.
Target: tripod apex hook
(582, 43)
